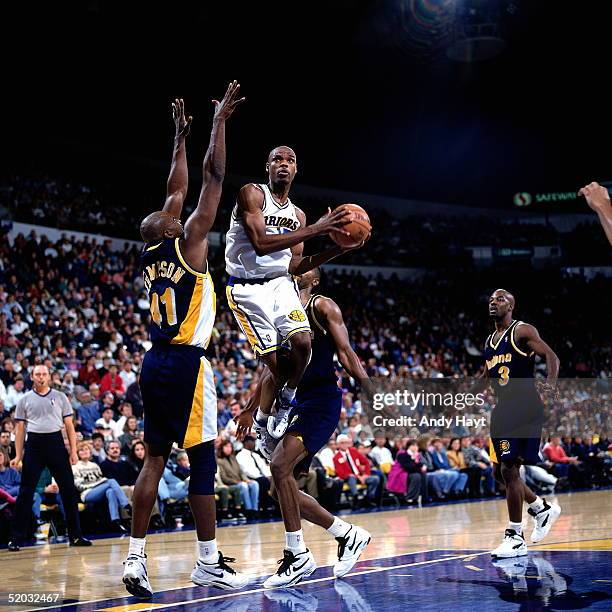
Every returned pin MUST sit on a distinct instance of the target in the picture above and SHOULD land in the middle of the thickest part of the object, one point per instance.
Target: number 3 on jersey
(504, 375)
(167, 299)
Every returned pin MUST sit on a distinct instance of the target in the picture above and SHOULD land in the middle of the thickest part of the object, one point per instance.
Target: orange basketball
(359, 227)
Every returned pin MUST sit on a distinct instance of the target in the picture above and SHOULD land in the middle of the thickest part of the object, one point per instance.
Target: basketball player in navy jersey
(176, 380)
(517, 419)
(264, 247)
(311, 423)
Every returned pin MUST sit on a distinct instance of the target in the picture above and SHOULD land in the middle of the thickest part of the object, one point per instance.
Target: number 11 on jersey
(167, 299)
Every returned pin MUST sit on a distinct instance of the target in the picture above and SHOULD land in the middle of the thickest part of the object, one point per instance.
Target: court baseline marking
(315, 580)
(191, 585)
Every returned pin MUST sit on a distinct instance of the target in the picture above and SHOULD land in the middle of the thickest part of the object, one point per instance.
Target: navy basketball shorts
(527, 450)
(314, 419)
(178, 395)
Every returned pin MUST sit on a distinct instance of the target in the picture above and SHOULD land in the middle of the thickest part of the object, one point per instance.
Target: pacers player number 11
(167, 299)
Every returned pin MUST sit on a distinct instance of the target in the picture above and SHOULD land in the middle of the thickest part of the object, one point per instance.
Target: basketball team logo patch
(297, 315)
(504, 446)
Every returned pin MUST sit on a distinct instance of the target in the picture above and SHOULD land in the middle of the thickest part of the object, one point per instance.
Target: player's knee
(510, 472)
(280, 469)
(203, 467)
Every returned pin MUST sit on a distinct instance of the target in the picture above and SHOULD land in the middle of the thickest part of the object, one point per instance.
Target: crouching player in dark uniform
(517, 419)
(311, 423)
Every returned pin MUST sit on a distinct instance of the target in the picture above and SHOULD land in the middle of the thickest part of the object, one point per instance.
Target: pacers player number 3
(167, 299)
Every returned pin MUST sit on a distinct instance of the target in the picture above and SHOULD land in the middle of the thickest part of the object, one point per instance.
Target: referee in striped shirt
(42, 412)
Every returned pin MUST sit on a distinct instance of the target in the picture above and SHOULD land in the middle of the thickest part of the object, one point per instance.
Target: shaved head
(508, 295)
(283, 150)
(158, 225)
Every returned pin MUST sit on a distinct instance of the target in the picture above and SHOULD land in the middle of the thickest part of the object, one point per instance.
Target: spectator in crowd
(562, 465)
(137, 455)
(130, 433)
(111, 381)
(171, 487)
(88, 374)
(232, 474)
(183, 468)
(10, 478)
(95, 488)
(381, 453)
(255, 467)
(408, 475)
(225, 492)
(107, 426)
(457, 461)
(441, 462)
(47, 492)
(352, 467)
(98, 453)
(14, 393)
(326, 456)
(88, 412)
(128, 376)
(6, 444)
(477, 459)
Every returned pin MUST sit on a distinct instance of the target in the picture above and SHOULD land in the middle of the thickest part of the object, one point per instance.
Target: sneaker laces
(223, 561)
(285, 562)
(342, 542)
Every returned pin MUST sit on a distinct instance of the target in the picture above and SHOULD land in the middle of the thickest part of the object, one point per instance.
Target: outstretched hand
(225, 108)
(181, 124)
(596, 195)
(244, 421)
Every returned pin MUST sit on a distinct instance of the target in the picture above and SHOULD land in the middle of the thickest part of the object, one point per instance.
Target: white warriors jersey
(240, 257)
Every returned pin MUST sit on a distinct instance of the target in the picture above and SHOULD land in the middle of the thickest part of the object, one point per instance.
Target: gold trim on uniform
(516, 348)
(492, 454)
(155, 246)
(311, 304)
(494, 346)
(187, 266)
(244, 324)
(193, 435)
(295, 331)
(190, 322)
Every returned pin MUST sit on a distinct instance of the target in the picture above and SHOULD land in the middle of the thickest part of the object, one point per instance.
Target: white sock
(294, 541)
(261, 417)
(288, 393)
(518, 527)
(137, 546)
(339, 527)
(208, 551)
(537, 505)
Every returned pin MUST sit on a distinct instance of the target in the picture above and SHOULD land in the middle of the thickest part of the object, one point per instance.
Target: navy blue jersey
(519, 410)
(321, 370)
(505, 361)
(182, 299)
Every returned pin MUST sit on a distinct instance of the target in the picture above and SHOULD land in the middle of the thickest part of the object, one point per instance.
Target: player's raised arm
(300, 264)
(598, 198)
(250, 201)
(529, 335)
(202, 218)
(334, 322)
(176, 189)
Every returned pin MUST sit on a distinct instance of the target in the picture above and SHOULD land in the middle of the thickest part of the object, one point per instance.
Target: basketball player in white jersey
(264, 247)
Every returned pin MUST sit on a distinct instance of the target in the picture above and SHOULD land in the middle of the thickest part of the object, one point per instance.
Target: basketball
(359, 227)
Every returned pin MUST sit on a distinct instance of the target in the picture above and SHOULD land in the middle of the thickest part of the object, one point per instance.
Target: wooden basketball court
(431, 557)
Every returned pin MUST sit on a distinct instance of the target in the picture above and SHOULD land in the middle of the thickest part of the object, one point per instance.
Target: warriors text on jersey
(182, 299)
(240, 257)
